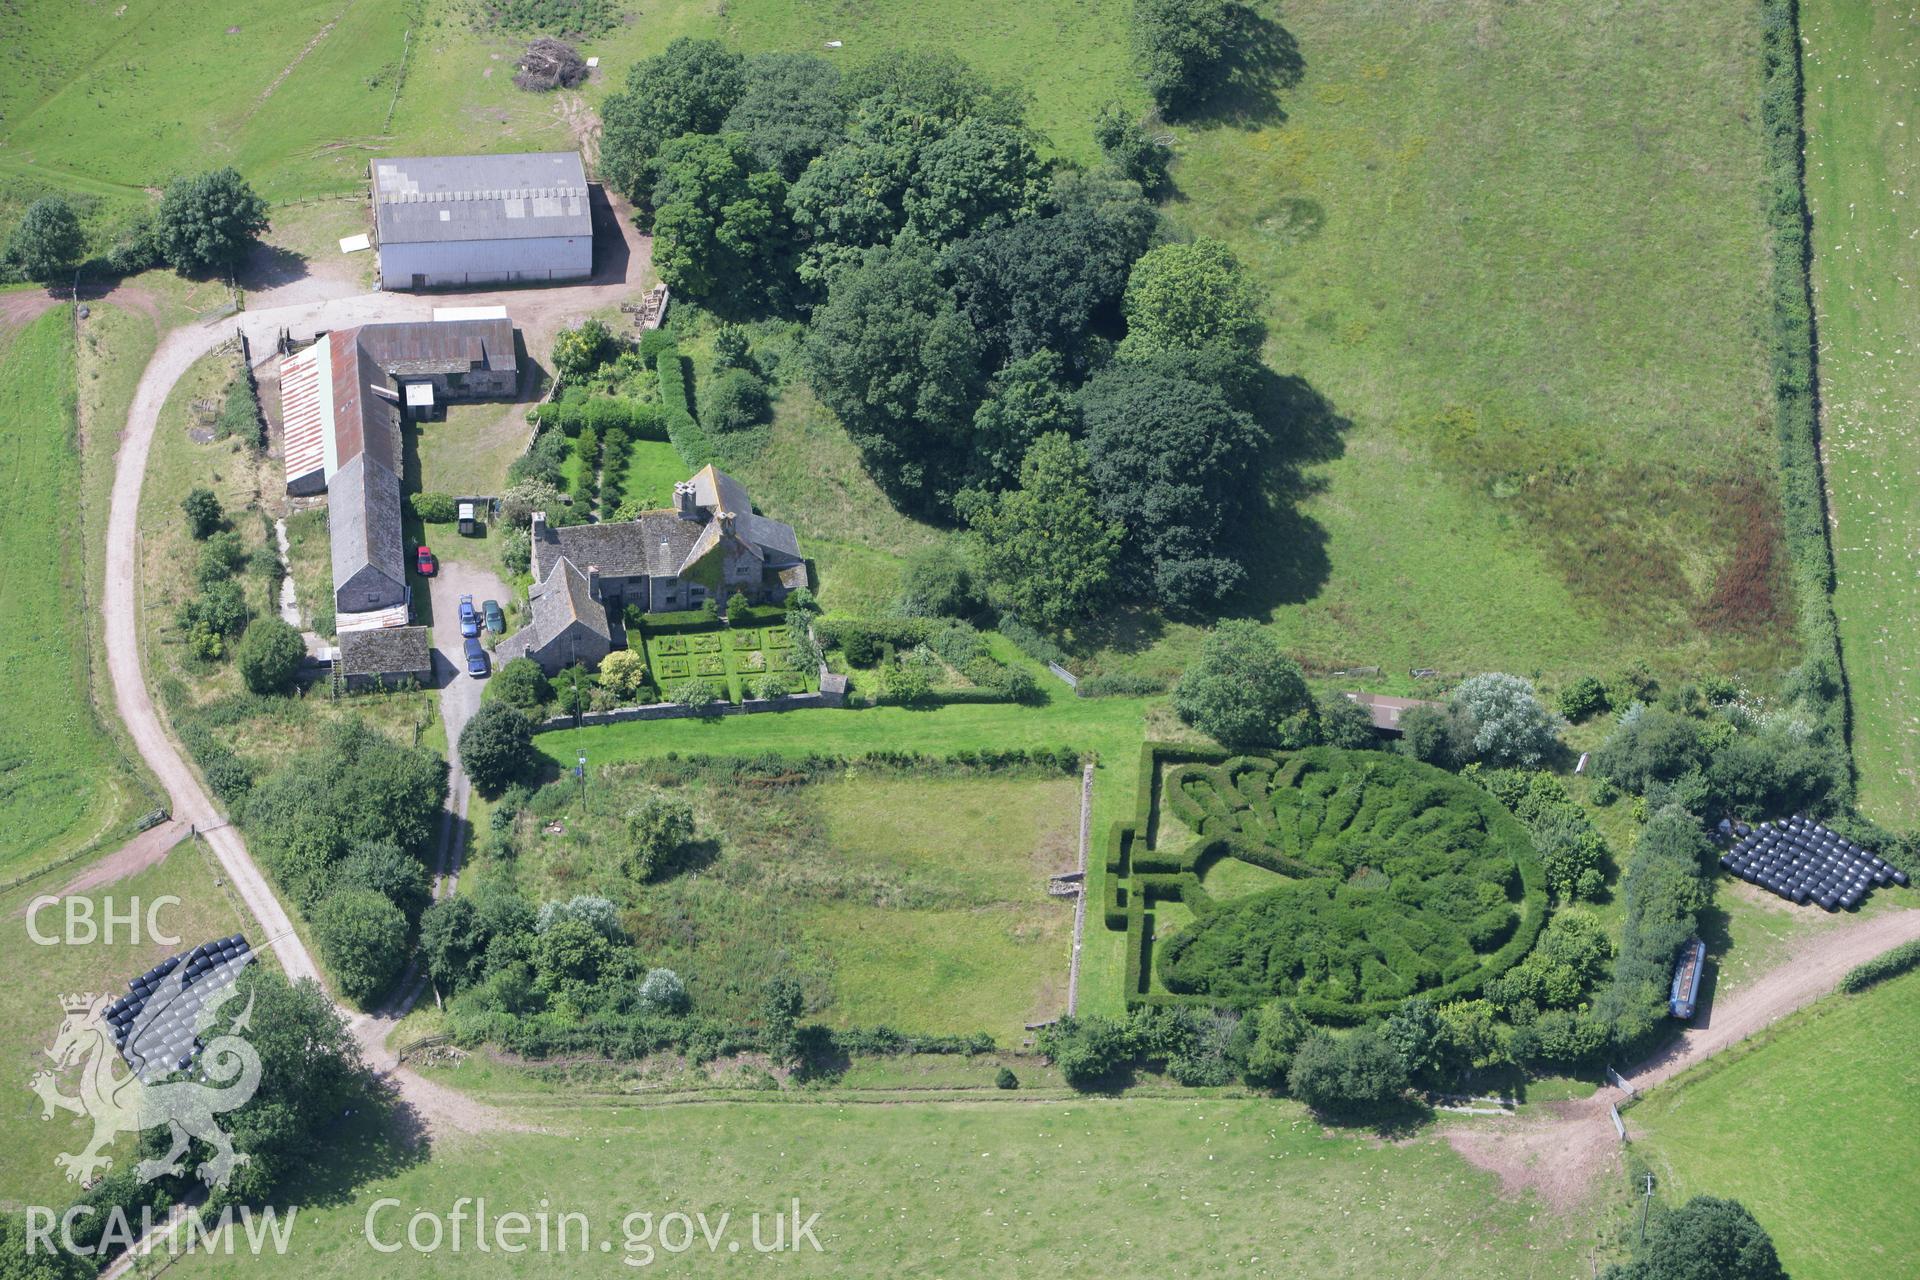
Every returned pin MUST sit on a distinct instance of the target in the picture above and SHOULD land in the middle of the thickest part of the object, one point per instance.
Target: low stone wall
(676, 711)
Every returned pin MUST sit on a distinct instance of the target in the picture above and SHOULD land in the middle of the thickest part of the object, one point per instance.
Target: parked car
(476, 658)
(496, 620)
(425, 563)
(469, 620)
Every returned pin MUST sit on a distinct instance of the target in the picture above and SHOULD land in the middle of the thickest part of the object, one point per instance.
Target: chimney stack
(726, 522)
(683, 501)
(539, 525)
(593, 581)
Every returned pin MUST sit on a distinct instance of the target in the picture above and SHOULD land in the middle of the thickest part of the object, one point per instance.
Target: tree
(717, 221)
(1345, 723)
(211, 619)
(270, 655)
(780, 1007)
(569, 959)
(495, 747)
(624, 673)
(661, 991)
(1191, 297)
(521, 683)
(1705, 1239)
(894, 358)
(1356, 1074)
(1046, 545)
(657, 830)
(454, 943)
(47, 244)
(790, 111)
(1242, 688)
(1586, 696)
(363, 939)
(1435, 736)
(578, 352)
(381, 865)
(1181, 48)
(689, 88)
(1504, 716)
(1274, 1032)
(204, 514)
(221, 556)
(1130, 150)
(209, 222)
(1055, 283)
(938, 583)
(1419, 1036)
(1651, 744)
(1174, 463)
(1089, 1052)
(1026, 400)
(981, 174)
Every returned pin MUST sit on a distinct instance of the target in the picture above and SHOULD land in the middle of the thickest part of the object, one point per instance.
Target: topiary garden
(1392, 879)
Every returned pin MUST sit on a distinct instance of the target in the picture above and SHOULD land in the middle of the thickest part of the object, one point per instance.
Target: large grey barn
(447, 221)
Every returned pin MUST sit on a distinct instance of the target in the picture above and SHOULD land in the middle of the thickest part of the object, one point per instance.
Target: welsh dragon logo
(177, 1015)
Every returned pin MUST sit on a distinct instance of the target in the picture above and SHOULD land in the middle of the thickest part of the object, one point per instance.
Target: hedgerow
(1405, 880)
(690, 439)
(1666, 884)
(1888, 964)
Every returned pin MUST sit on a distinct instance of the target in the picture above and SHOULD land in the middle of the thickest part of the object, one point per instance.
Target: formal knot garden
(1345, 881)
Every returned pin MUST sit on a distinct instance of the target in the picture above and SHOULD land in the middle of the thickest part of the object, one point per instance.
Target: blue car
(476, 658)
(469, 620)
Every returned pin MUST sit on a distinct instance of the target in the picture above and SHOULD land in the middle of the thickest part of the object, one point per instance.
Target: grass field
(30, 1011)
(915, 902)
(61, 781)
(1795, 1126)
(1862, 67)
(1150, 1188)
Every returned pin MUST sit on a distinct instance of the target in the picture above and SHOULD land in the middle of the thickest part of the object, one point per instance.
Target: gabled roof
(433, 199)
(441, 346)
(562, 600)
(652, 545)
(363, 521)
(386, 651)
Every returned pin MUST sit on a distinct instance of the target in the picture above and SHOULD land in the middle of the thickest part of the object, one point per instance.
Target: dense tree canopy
(981, 174)
(1174, 462)
(495, 746)
(1130, 150)
(790, 111)
(1190, 297)
(1355, 1074)
(1046, 545)
(270, 655)
(363, 938)
(209, 222)
(1242, 690)
(47, 244)
(716, 221)
(1025, 400)
(691, 87)
(891, 354)
(1705, 1239)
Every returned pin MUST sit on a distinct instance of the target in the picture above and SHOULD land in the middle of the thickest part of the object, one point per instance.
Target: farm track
(1559, 1157)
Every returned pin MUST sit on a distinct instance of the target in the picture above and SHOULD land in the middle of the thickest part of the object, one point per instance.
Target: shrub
(204, 514)
(904, 685)
(1585, 697)
(240, 412)
(434, 508)
(1504, 716)
(1345, 723)
(657, 830)
(697, 693)
(382, 866)
(363, 938)
(1120, 685)
(578, 352)
(212, 618)
(938, 583)
(730, 345)
(1005, 1079)
(223, 555)
(690, 441)
(1651, 744)
(771, 686)
(270, 654)
(495, 746)
(1356, 1074)
(624, 672)
(1271, 1035)
(1088, 1051)
(661, 991)
(735, 401)
(1570, 846)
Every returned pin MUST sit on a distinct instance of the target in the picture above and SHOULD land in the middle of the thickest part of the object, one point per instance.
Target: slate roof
(1385, 710)
(441, 346)
(434, 199)
(557, 603)
(363, 521)
(386, 651)
(661, 544)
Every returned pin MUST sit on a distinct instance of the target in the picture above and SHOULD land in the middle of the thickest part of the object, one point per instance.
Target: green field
(914, 902)
(62, 784)
(1796, 1125)
(1150, 1188)
(1862, 163)
(30, 1010)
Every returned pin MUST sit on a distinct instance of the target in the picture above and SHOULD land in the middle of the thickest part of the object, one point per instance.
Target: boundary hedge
(690, 439)
(1794, 352)
(1138, 874)
(1888, 964)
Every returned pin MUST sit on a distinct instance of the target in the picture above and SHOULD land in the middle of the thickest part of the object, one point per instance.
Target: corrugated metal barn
(447, 221)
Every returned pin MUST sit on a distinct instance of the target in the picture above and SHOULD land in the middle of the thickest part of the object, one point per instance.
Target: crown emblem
(77, 1003)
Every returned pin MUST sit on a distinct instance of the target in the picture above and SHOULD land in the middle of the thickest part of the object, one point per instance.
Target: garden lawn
(62, 783)
(1098, 1189)
(1805, 1126)
(30, 1012)
(653, 468)
(1862, 166)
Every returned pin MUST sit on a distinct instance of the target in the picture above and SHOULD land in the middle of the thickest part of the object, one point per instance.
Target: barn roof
(1386, 711)
(431, 199)
(363, 521)
(386, 651)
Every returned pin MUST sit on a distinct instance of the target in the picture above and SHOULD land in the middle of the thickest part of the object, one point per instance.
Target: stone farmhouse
(454, 221)
(708, 545)
(341, 402)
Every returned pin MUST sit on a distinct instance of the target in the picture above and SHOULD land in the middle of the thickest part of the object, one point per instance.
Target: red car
(425, 563)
